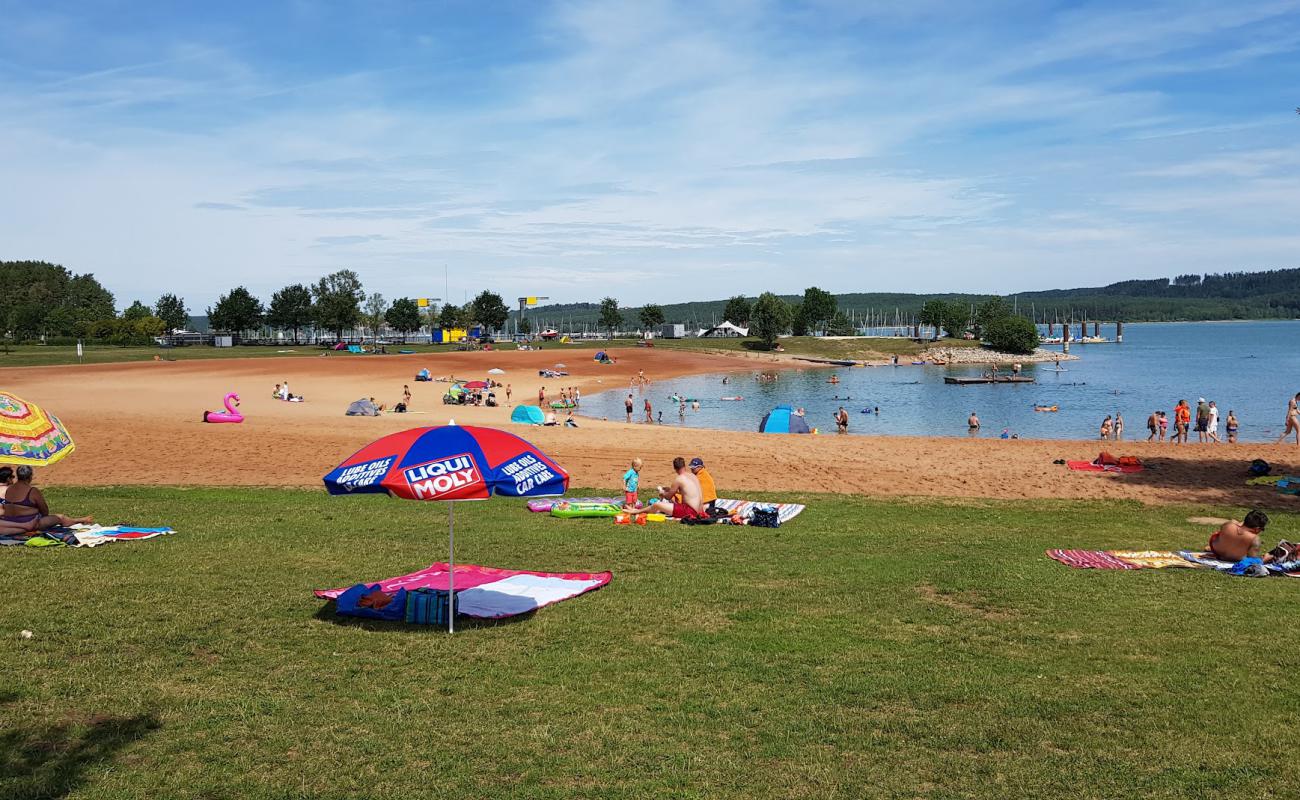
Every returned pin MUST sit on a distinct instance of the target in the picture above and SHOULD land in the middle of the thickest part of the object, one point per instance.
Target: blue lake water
(1251, 368)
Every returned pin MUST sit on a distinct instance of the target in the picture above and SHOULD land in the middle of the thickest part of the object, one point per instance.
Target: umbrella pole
(451, 566)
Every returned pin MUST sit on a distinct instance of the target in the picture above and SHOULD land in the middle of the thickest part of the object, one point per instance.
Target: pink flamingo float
(231, 415)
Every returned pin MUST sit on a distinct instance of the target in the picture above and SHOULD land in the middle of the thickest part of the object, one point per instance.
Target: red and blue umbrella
(449, 463)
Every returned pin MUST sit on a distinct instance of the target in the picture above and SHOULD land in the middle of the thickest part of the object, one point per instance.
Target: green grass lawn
(867, 649)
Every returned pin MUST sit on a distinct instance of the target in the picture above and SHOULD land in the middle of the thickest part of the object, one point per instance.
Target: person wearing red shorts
(681, 499)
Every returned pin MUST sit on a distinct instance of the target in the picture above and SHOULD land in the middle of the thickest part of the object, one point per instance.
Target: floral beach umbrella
(452, 463)
(29, 434)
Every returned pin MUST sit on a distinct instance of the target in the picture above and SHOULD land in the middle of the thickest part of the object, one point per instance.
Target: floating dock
(995, 379)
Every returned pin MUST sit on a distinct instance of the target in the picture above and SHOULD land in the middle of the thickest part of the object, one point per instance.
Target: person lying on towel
(686, 486)
(1235, 540)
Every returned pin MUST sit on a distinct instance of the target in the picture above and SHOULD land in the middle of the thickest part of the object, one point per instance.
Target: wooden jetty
(994, 379)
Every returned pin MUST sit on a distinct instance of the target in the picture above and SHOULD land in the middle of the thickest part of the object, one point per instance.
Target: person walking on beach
(649, 417)
(1119, 426)
(1212, 424)
(1292, 420)
(1182, 421)
(507, 394)
(1153, 425)
(1232, 426)
(1106, 427)
(1163, 419)
(1202, 419)
(627, 406)
(541, 397)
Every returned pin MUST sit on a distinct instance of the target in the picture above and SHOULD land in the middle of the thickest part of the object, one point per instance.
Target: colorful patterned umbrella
(476, 385)
(449, 463)
(30, 435)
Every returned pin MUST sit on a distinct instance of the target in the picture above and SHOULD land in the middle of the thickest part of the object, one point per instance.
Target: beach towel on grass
(544, 504)
(491, 593)
(1119, 559)
(784, 511)
(1290, 569)
(86, 536)
(1088, 466)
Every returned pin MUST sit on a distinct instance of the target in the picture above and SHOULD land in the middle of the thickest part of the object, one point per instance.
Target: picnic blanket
(1119, 559)
(1088, 466)
(491, 593)
(545, 504)
(784, 511)
(1290, 569)
(86, 536)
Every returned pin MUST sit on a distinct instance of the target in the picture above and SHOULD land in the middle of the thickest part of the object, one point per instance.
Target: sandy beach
(139, 423)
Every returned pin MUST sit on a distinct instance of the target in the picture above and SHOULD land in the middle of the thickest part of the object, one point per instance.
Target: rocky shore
(983, 355)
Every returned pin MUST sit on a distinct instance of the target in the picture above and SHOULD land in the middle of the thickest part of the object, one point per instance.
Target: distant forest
(1274, 294)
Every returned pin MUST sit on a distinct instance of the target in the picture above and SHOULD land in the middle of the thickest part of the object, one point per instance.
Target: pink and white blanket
(492, 593)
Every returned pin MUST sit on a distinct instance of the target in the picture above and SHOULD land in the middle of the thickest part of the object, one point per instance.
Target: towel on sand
(1088, 466)
(1119, 559)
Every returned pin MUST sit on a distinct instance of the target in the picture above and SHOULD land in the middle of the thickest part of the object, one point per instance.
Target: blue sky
(652, 150)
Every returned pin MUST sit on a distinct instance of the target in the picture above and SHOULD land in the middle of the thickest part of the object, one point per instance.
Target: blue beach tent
(782, 419)
(527, 415)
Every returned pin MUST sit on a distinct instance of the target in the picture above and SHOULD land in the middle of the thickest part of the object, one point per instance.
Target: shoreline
(139, 424)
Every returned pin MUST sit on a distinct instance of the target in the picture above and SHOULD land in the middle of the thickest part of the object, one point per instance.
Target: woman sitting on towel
(25, 506)
(8, 528)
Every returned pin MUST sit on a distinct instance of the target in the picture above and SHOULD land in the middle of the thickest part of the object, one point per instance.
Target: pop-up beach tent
(362, 408)
(782, 419)
(527, 415)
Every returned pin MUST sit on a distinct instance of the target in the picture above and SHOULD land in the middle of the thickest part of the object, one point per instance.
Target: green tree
(376, 308)
(291, 309)
(1012, 334)
(652, 316)
(489, 310)
(137, 312)
(610, 317)
(798, 320)
(146, 329)
(525, 325)
(452, 316)
(840, 325)
(403, 316)
(818, 307)
(991, 310)
(950, 317)
(737, 311)
(236, 312)
(337, 298)
(172, 311)
(769, 318)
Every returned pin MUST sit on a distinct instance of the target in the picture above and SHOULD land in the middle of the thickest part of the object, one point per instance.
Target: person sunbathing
(682, 499)
(25, 506)
(1235, 540)
(8, 528)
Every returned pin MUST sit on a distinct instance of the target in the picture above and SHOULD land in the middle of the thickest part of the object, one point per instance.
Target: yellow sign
(532, 301)
(423, 302)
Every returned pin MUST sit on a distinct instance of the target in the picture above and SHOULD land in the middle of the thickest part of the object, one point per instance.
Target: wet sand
(139, 423)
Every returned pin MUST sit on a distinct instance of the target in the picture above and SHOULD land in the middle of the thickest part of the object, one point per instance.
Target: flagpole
(451, 566)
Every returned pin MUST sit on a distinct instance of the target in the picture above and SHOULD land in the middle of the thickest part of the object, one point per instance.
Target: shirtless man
(973, 423)
(1235, 540)
(685, 485)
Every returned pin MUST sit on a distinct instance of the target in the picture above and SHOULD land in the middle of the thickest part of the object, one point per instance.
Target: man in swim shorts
(972, 422)
(1202, 419)
(627, 406)
(1235, 540)
(686, 486)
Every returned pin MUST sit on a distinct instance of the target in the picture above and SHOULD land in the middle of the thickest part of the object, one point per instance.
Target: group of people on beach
(23, 510)
(692, 494)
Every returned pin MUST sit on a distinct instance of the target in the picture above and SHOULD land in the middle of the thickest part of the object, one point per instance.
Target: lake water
(1249, 367)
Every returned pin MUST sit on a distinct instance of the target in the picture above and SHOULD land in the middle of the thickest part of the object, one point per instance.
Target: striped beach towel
(1090, 559)
(784, 511)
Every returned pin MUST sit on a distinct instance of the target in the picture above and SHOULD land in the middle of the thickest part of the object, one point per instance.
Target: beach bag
(765, 517)
(1130, 461)
(1259, 468)
(352, 603)
(427, 606)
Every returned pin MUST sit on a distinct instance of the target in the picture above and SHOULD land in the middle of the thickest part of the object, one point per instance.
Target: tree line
(43, 300)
